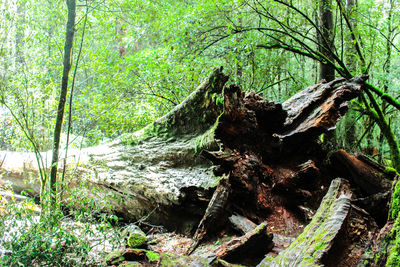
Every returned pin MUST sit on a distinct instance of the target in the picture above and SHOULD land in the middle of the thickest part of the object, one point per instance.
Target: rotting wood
(253, 245)
(257, 138)
(367, 175)
(317, 237)
(277, 168)
(242, 224)
(213, 214)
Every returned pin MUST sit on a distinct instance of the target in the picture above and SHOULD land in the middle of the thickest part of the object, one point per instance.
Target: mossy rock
(136, 240)
(135, 236)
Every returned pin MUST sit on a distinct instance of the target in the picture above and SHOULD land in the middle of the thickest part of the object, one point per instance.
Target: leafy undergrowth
(28, 238)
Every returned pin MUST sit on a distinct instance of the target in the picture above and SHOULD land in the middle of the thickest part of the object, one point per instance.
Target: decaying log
(153, 173)
(273, 167)
(253, 245)
(317, 237)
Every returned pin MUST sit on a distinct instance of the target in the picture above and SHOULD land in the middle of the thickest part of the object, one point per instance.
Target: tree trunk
(69, 37)
(327, 71)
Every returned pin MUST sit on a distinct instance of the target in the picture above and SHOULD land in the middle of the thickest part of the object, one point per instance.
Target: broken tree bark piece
(316, 110)
(353, 240)
(253, 245)
(367, 176)
(242, 224)
(317, 237)
(212, 217)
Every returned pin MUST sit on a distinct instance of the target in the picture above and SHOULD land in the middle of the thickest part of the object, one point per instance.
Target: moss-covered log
(336, 236)
(269, 153)
(155, 172)
(309, 248)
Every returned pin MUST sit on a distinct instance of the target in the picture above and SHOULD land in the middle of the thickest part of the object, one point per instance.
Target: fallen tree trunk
(154, 173)
(269, 154)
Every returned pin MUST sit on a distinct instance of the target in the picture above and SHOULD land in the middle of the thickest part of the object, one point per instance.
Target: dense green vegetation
(133, 61)
(139, 59)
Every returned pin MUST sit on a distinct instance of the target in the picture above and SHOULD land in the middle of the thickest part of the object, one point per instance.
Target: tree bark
(327, 71)
(69, 37)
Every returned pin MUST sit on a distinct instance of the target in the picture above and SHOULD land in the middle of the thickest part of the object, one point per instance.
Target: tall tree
(327, 71)
(69, 37)
(325, 44)
(350, 131)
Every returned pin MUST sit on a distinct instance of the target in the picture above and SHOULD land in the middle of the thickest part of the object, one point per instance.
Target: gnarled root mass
(278, 174)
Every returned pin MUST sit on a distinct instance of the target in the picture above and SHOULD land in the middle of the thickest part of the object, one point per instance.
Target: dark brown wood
(316, 110)
(212, 217)
(318, 237)
(368, 176)
(271, 153)
(242, 224)
(254, 244)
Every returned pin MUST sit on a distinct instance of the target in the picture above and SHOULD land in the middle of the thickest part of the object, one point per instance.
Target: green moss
(152, 256)
(396, 201)
(204, 141)
(207, 139)
(394, 253)
(390, 171)
(114, 257)
(394, 237)
(136, 240)
(130, 264)
(167, 261)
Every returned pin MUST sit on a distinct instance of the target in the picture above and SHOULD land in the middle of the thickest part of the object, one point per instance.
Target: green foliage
(53, 238)
(45, 242)
(38, 241)
(391, 171)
